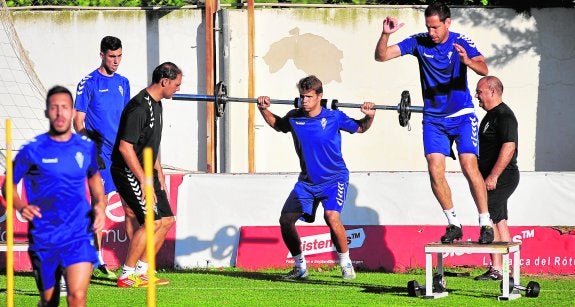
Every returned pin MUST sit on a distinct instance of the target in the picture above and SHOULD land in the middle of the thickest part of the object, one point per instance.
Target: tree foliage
(519, 4)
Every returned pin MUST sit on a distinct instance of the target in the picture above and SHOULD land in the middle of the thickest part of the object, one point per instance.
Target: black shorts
(497, 199)
(130, 190)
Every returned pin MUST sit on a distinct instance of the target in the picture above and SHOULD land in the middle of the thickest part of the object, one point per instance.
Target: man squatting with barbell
(324, 177)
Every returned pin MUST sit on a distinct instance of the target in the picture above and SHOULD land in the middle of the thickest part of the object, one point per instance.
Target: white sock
(141, 267)
(300, 261)
(452, 217)
(344, 259)
(100, 257)
(127, 271)
(484, 219)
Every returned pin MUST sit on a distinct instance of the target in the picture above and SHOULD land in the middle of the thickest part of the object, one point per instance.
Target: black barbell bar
(221, 98)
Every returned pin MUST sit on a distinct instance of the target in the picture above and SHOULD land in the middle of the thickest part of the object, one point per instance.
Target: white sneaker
(347, 272)
(296, 273)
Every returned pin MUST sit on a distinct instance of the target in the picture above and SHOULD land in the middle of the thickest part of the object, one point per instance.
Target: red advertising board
(114, 239)
(399, 248)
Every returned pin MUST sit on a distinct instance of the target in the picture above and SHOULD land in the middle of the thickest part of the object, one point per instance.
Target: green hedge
(145, 3)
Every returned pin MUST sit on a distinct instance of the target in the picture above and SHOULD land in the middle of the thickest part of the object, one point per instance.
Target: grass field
(231, 287)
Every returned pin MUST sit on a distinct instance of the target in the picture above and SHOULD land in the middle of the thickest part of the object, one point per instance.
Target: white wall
(532, 54)
(213, 207)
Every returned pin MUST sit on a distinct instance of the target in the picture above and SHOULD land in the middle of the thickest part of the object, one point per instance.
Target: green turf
(231, 287)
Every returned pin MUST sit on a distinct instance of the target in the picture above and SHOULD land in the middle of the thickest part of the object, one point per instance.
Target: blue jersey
(317, 142)
(54, 176)
(102, 98)
(443, 76)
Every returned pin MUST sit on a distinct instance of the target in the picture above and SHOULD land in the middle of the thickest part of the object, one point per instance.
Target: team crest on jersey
(79, 159)
(121, 90)
(323, 123)
(486, 127)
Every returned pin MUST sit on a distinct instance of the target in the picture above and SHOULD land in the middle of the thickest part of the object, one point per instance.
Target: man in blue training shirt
(55, 166)
(324, 176)
(449, 115)
(100, 98)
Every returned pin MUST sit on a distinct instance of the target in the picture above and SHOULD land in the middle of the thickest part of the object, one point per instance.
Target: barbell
(531, 290)
(439, 286)
(221, 98)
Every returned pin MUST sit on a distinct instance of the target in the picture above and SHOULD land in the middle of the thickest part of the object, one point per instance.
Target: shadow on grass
(277, 277)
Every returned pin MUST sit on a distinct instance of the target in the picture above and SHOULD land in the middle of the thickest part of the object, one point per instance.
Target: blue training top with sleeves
(317, 141)
(54, 176)
(442, 74)
(102, 98)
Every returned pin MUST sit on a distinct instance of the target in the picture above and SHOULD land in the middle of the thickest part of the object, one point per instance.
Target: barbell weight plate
(439, 283)
(532, 289)
(221, 93)
(413, 288)
(511, 285)
(404, 109)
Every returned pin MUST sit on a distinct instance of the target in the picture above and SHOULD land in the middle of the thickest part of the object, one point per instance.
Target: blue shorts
(49, 264)
(440, 134)
(106, 175)
(305, 198)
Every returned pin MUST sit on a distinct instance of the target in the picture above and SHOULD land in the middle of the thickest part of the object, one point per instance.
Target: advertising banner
(400, 248)
(114, 239)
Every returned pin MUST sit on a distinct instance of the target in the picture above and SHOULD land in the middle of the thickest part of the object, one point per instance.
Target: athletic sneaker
(132, 281)
(296, 273)
(486, 235)
(452, 232)
(102, 272)
(157, 281)
(63, 287)
(491, 274)
(347, 272)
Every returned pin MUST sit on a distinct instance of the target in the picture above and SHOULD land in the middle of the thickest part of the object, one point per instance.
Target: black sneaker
(491, 274)
(452, 232)
(486, 235)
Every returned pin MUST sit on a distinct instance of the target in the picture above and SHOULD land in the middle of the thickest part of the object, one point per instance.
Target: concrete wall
(532, 53)
(213, 207)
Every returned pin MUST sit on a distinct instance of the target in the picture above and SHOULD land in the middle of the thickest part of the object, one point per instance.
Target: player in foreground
(54, 167)
(324, 176)
(449, 114)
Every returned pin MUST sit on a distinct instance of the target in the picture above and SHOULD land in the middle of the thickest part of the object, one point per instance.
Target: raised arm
(477, 64)
(367, 108)
(383, 52)
(263, 105)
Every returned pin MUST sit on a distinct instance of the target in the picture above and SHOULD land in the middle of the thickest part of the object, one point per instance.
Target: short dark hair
(440, 9)
(58, 89)
(110, 43)
(166, 70)
(310, 83)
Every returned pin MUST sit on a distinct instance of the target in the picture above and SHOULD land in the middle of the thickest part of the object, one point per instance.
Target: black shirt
(497, 127)
(140, 125)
